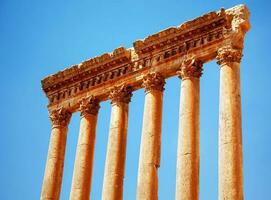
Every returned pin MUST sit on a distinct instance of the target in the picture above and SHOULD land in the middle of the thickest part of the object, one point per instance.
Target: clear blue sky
(38, 38)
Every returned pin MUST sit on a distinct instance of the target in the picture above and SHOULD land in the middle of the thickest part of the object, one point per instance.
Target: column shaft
(230, 127)
(149, 160)
(83, 167)
(55, 160)
(187, 180)
(116, 148)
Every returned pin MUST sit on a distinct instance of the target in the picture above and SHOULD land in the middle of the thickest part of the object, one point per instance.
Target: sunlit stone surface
(178, 50)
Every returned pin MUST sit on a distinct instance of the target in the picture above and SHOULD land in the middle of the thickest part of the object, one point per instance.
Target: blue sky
(39, 38)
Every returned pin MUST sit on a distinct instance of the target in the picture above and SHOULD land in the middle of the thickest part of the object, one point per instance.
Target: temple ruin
(177, 51)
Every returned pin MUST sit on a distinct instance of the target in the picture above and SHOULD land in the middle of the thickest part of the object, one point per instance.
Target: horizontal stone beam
(162, 52)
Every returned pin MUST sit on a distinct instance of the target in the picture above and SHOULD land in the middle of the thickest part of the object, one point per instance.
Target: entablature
(162, 52)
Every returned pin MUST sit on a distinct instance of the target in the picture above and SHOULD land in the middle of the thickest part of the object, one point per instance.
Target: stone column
(230, 127)
(55, 160)
(187, 180)
(83, 167)
(149, 159)
(116, 148)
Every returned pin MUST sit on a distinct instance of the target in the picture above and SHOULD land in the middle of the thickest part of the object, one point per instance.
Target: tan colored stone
(55, 160)
(149, 160)
(116, 148)
(83, 167)
(230, 126)
(187, 179)
(161, 52)
(218, 35)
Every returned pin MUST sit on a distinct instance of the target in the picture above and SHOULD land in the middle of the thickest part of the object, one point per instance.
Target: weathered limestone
(230, 164)
(218, 34)
(116, 148)
(149, 160)
(83, 167)
(161, 52)
(187, 180)
(230, 125)
(55, 160)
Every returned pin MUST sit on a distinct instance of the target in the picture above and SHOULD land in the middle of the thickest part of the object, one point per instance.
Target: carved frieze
(185, 33)
(120, 94)
(60, 117)
(203, 35)
(91, 67)
(89, 106)
(153, 81)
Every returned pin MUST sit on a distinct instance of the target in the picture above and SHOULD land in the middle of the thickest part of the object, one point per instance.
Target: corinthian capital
(153, 81)
(190, 68)
(120, 94)
(228, 54)
(60, 117)
(89, 106)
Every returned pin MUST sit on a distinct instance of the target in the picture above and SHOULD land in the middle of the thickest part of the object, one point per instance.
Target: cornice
(201, 37)
(92, 66)
(183, 32)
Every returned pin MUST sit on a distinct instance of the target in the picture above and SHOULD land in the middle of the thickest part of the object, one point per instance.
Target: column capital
(228, 54)
(153, 81)
(120, 94)
(190, 68)
(89, 106)
(60, 117)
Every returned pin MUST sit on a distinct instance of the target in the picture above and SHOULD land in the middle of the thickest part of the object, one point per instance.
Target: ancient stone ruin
(177, 51)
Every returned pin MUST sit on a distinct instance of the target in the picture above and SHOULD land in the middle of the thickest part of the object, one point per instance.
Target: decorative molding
(228, 54)
(60, 117)
(239, 19)
(201, 37)
(153, 81)
(183, 32)
(92, 66)
(190, 68)
(89, 106)
(120, 94)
